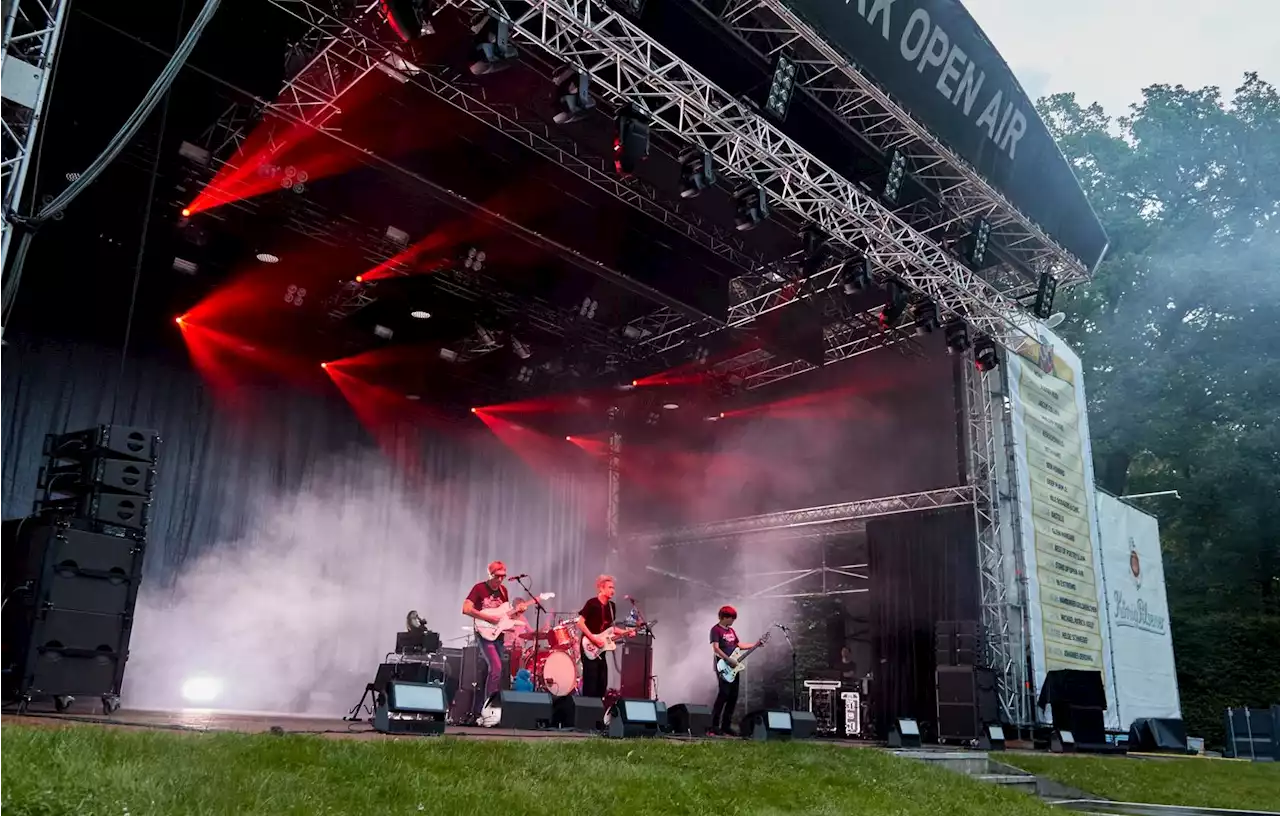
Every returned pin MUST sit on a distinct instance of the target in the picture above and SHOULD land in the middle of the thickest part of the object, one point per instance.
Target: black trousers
(595, 676)
(726, 702)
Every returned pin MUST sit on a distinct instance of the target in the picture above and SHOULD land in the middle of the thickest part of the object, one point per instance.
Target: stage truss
(769, 27)
(628, 65)
(32, 32)
(342, 51)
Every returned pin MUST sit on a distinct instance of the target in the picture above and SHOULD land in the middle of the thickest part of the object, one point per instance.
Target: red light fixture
(186, 212)
(359, 278)
(568, 439)
(475, 410)
(324, 365)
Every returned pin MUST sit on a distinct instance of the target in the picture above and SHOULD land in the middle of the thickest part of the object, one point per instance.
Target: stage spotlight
(180, 320)
(448, 355)
(267, 257)
(419, 314)
(978, 242)
(1045, 293)
(524, 375)
(956, 334)
(653, 418)
(493, 41)
(409, 19)
(324, 365)
(475, 410)
(184, 266)
(485, 336)
(474, 259)
(670, 406)
(925, 316)
(568, 439)
(521, 349)
(201, 689)
(397, 236)
(781, 88)
(359, 278)
(186, 213)
(697, 173)
(631, 141)
(588, 308)
(574, 90)
(895, 305)
(752, 207)
(383, 332)
(814, 246)
(897, 174)
(855, 275)
(985, 356)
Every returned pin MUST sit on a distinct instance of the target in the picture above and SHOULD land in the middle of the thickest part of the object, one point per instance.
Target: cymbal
(533, 635)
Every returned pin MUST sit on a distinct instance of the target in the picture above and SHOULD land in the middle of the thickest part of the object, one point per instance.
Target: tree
(1178, 333)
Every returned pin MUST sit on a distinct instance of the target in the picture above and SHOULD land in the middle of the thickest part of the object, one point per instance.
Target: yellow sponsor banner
(1066, 617)
(1066, 574)
(1067, 638)
(1052, 440)
(1072, 488)
(1069, 657)
(1064, 467)
(1082, 607)
(1041, 447)
(1066, 522)
(1047, 406)
(1065, 427)
(1062, 373)
(1042, 494)
(1063, 539)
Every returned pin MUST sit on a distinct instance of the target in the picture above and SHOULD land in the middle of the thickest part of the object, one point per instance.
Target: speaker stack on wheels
(73, 567)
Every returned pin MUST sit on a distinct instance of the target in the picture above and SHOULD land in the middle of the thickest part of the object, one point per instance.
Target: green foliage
(1189, 782)
(1234, 665)
(89, 771)
(1178, 332)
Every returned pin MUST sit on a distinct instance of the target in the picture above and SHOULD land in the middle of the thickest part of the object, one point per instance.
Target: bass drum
(558, 673)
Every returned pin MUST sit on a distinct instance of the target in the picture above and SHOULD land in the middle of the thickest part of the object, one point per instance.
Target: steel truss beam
(352, 46)
(624, 62)
(993, 580)
(805, 517)
(32, 31)
(770, 27)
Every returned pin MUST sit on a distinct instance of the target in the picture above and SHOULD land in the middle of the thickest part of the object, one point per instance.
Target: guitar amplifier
(636, 658)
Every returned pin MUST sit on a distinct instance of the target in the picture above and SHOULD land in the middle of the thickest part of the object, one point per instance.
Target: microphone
(783, 628)
(629, 598)
(518, 577)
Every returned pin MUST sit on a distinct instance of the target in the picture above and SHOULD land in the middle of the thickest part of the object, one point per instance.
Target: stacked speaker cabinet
(72, 569)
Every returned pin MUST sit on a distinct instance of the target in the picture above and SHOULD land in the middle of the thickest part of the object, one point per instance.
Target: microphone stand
(537, 626)
(646, 628)
(786, 633)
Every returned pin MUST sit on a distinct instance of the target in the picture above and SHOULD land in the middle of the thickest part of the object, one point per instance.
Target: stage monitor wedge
(633, 718)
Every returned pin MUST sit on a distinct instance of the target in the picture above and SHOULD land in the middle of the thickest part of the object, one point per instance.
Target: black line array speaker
(69, 612)
(956, 643)
(967, 700)
(100, 479)
(1076, 699)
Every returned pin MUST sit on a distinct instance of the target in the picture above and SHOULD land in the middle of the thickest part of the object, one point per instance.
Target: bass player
(724, 642)
(485, 602)
(596, 622)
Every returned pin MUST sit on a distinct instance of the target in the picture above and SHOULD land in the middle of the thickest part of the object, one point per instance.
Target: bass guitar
(739, 656)
(590, 651)
(510, 619)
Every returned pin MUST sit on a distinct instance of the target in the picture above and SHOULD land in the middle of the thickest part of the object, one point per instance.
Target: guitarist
(481, 603)
(595, 618)
(723, 643)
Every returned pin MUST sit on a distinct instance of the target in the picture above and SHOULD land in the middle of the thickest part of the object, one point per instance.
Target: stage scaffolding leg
(612, 498)
(32, 31)
(1003, 624)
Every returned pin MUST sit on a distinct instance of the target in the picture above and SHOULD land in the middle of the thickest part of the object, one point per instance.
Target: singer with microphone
(596, 623)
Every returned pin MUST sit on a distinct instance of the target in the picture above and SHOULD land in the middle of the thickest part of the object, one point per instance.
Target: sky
(1107, 50)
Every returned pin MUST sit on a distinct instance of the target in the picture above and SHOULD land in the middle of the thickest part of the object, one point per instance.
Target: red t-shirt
(483, 596)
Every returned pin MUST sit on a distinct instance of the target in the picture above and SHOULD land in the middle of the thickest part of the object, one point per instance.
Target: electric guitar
(590, 651)
(730, 673)
(510, 617)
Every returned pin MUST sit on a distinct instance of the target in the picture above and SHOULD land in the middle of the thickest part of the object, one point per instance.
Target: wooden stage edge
(204, 720)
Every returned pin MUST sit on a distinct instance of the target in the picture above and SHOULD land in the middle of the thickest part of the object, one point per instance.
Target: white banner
(1146, 682)
(1056, 514)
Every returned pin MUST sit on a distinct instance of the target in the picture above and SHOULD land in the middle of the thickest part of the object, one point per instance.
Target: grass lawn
(91, 771)
(1189, 781)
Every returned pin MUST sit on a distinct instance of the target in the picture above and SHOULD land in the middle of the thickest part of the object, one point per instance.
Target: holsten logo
(1136, 614)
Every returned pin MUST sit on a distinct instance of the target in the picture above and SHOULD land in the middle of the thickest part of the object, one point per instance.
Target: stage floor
(259, 722)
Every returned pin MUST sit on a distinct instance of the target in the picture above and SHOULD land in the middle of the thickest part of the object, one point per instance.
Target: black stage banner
(934, 60)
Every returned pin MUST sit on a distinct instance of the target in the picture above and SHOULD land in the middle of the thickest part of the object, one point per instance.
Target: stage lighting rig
(924, 314)
(752, 207)
(493, 41)
(588, 308)
(409, 19)
(855, 275)
(985, 356)
(631, 142)
(1045, 293)
(956, 335)
(573, 87)
(632, 8)
(525, 375)
(697, 173)
(977, 243)
(781, 88)
(474, 259)
(520, 348)
(814, 248)
(897, 174)
(895, 305)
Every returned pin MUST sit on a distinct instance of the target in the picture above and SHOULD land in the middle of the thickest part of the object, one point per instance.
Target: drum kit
(551, 656)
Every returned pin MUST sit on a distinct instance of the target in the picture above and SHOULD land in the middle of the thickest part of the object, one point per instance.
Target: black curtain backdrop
(924, 568)
(284, 542)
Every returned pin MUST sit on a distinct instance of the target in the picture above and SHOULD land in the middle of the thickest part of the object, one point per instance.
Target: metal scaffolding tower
(32, 32)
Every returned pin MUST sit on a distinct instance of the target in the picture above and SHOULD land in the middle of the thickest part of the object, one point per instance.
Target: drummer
(597, 616)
